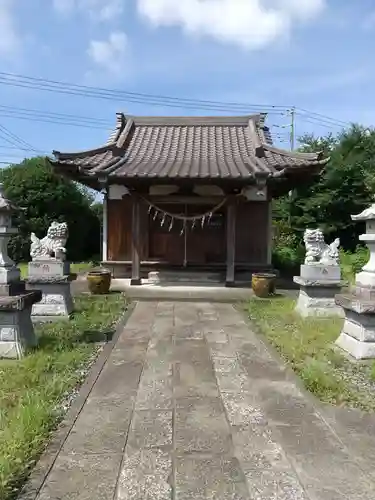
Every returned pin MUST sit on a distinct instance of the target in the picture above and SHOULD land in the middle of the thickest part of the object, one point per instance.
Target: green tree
(46, 197)
(345, 186)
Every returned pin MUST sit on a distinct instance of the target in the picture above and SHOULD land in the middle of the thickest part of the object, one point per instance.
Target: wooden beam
(188, 200)
(231, 243)
(136, 240)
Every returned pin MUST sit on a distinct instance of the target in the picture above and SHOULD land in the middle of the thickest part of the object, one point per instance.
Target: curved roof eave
(121, 124)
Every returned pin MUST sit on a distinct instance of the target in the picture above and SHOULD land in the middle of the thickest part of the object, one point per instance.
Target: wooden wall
(252, 232)
(119, 213)
(202, 244)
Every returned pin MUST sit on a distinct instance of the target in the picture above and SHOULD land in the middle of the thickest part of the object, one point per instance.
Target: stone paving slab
(192, 405)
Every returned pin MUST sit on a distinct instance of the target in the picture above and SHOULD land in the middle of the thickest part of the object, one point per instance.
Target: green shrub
(360, 258)
(288, 252)
(352, 263)
(287, 260)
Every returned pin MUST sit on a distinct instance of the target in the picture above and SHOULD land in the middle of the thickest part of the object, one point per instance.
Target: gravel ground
(70, 396)
(359, 377)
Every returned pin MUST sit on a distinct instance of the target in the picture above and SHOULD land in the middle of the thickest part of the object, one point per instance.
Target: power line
(19, 148)
(89, 119)
(6, 139)
(330, 122)
(28, 117)
(143, 98)
(58, 118)
(325, 117)
(246, 109)
(92, 122)
(12, 78)
(321, 123)
(13, 137)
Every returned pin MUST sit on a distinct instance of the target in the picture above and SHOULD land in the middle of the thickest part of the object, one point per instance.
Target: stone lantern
(366, 278)
(16, 328)
(358, 333)
(9, 273)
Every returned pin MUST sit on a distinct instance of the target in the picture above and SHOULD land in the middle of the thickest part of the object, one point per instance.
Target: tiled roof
(238, 147)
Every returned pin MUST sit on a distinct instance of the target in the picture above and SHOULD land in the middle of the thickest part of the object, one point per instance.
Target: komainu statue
(317, 250)
(52, 246)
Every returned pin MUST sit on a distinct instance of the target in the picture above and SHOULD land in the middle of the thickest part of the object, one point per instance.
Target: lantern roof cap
(5, 204)
(367, 214)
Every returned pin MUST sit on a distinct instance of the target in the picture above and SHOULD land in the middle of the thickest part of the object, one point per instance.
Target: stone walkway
(192, 406)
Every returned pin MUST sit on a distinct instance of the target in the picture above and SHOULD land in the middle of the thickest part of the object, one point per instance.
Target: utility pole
(292, 128)
(292, 146)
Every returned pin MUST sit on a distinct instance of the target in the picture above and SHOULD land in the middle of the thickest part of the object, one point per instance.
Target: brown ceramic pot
(99, 281)
(263, 284)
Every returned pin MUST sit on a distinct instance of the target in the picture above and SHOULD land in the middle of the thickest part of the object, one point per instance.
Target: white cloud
(109, 54)
(248, 23)
(102, 10)
(9, 38)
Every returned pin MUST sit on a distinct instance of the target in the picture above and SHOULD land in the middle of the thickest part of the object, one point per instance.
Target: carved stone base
(56, 303)
(357, 336)
(356, 349)
(16, 328)
(317, 298)
(53, 278)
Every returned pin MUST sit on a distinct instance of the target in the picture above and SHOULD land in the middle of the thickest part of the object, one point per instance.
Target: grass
(33, 390)
(307, 345)
(77, 267)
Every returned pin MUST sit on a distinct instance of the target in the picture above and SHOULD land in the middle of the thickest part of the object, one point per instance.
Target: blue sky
(312, 54)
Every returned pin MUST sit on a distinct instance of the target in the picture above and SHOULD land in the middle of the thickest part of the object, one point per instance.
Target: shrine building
(188, 193)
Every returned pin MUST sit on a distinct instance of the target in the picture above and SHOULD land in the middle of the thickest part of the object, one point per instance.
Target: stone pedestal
(319, 284)
(357, 336)
(16, 328)
(53, 278)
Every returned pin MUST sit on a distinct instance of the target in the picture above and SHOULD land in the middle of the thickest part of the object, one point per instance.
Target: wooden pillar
(105, 229)
(269, 234)
(231, 243)
(136, 242)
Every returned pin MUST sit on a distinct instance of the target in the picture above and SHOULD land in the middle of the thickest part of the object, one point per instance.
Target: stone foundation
(16, 328)
(56, 303)
(357, 336)
(184, 277)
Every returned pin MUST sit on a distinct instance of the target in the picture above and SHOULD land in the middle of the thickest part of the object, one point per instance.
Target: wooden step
(182, 277)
